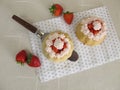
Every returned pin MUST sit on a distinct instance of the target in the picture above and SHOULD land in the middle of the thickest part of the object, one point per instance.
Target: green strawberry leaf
(29, 58)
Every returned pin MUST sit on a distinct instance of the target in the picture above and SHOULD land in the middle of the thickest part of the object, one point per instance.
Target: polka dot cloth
(89, 57)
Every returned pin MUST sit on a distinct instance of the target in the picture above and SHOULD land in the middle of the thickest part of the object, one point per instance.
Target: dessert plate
(89, 57)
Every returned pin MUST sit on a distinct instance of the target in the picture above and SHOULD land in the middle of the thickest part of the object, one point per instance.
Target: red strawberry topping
(90, 27)
(54, 49)
(58, 50)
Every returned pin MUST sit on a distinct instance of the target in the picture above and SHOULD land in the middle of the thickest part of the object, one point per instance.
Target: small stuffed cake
(57, 46)
(91, 31)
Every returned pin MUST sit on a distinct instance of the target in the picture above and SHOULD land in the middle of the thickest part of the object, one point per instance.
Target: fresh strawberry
(21, 57)
(33, 61)
(90, 26)
(56, 9)
(68, 17)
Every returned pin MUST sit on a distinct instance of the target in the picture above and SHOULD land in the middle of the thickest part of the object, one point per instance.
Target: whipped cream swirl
(98, 25)
(57, 45)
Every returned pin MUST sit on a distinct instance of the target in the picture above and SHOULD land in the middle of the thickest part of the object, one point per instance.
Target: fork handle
(24, 23)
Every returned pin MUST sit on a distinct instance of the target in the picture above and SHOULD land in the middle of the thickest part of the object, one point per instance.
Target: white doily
(89, 56)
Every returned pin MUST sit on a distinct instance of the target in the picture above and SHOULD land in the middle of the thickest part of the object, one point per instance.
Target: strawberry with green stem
(33, 61)
(68, 17)
(21, 57)
(56, 9)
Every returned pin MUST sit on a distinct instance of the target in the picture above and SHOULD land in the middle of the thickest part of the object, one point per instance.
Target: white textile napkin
(89, 56)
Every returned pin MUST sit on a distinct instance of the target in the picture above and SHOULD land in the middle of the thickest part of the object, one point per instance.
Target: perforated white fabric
(89, 56)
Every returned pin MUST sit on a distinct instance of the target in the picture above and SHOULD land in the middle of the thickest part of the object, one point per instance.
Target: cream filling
(58, 44)
(96, 25)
